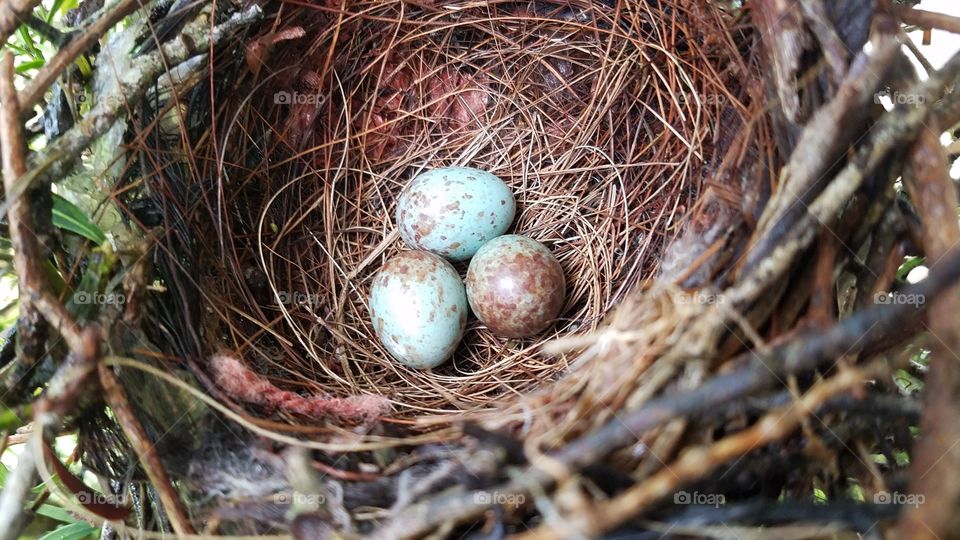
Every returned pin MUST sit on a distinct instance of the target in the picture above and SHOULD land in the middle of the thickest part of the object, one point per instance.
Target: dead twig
(936, 460)
(697, 462)
(117, 400)
(28, 252)
(57, 159)
(927, 19)
(802, 354)
(33, 93)
(12, 14)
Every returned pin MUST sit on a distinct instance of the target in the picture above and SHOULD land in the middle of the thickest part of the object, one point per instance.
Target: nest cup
(602, 119)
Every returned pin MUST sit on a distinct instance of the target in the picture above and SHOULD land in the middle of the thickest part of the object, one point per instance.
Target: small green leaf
(56, 513)
(77, 530)
(57, 4)
(29, 44)
(30, 64)
(909, 264)
(69, 217)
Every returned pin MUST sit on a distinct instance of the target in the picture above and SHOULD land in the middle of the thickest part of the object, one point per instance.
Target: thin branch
(117, 400)
(800, 355)
(34, 91)
(935, 463)
(12, 14)
(57, 159)
(927, 19)
(698, 462)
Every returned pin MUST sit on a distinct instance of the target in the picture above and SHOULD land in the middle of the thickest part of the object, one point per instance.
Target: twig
(58, 399)
(34, 91)
(12, 15)
(936, 461)
(27, 253)
(825, 136)
(782, 247)
(697, 462)
(117, 400)
(802, 354)
(58, 158)
(927, 19)
(16, 489)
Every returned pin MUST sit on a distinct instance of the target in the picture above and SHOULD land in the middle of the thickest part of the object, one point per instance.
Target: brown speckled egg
(515, 286)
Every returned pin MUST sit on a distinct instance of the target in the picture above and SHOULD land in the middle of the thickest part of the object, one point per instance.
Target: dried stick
(893, 130)
(58, 158)
(58, 400)
(34, 91)
(31, 329)
(16, 489)
(927, 19)
(18, 485)
(698, 462)
(825, 136)
(803, 354)
(936, 460)
(117, 400)
(12, 14)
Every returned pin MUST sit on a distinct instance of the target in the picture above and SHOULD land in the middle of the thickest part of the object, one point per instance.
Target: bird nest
(729, 201)
(603, 120)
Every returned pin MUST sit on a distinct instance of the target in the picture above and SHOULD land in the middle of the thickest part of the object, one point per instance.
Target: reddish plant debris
(244, 385)
(258, 50)
(414, 91)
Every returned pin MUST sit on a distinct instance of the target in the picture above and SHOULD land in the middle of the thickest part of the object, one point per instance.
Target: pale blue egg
(418, 307)
(453, 211)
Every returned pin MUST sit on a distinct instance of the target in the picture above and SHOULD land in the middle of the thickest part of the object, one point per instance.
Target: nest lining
(593, 116)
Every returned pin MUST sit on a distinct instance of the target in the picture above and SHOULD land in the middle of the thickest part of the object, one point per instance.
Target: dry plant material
(244, 385)
(576, 108)
(936, 460)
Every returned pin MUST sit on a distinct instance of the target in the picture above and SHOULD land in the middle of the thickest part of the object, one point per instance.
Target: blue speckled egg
(453, 211)
(418, 307)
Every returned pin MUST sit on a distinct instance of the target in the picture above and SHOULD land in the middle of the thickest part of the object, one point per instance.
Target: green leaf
(56, 513)
(29, 44)
(69, 217)
(907, 266)
(66, 5)
(30, 64)
(77, 530)
(54, 9)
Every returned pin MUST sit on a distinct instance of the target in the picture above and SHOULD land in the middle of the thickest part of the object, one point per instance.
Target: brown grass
(603, 123)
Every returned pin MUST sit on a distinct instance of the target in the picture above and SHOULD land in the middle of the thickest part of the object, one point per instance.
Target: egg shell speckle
(418, 307)
(515, 286)
(452, 211)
